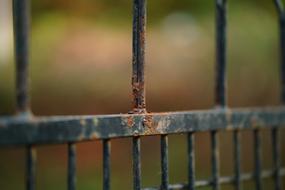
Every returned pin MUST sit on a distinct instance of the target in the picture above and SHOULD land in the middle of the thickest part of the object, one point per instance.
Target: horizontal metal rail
(222, 180)
(64, 129)
(29, 131)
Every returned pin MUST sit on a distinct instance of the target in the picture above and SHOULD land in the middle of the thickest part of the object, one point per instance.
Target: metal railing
(25, 129)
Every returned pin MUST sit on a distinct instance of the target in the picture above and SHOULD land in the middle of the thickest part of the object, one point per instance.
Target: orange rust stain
(130, 121)
(149, 125)
(138, 93)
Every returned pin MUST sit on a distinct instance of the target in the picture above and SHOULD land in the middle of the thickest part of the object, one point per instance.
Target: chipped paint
(73, 129)
(162, 125)
(95, 121)
(128, 121)
(82, 122)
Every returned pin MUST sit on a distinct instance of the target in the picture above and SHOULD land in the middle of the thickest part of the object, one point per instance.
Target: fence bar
(237, 160)
(106, 164)
(257, 159)
(164, 162)
(21, 22)
(136, 163)
(71, 180)
(138, 85)
(220, 93)
(139, 29)
(215, 160)
(281, 16)
(276, 158)
(30, 167)
(191, 161)
(275, 132)
(21, 18)
(221, 53)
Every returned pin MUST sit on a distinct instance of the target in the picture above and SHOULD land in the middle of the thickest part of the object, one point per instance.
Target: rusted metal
(64, 129)
(24, 129)
(138, 82)
(139, 32)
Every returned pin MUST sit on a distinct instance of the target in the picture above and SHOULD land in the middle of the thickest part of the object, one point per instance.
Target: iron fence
(25, 129)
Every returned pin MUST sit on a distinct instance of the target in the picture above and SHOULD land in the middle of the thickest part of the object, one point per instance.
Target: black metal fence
(25, 129)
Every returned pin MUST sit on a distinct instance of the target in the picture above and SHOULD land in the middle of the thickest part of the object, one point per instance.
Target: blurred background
(81, 64)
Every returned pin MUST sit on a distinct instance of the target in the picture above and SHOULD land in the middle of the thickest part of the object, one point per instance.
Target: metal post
(21, 21)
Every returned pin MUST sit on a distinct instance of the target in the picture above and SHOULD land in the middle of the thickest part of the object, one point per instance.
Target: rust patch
(142, 36)
(138, 97)
(128, 121)
(148, 123)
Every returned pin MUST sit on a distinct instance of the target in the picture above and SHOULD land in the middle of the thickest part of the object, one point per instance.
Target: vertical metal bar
(275, 138)
(220, 93)
(21, 18)
(281, 16)
(164, 162)
(30, 167)
(21, 22)
(276, 158)
(215, 160)
(71, 181)
(257, 158)
(136, 163)
(106, 164)
(237, 160)
(138, 85)
(191, 161)
(139, 29)
(221, 53)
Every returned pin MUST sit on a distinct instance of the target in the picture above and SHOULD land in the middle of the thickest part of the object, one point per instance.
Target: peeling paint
(63, 129)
